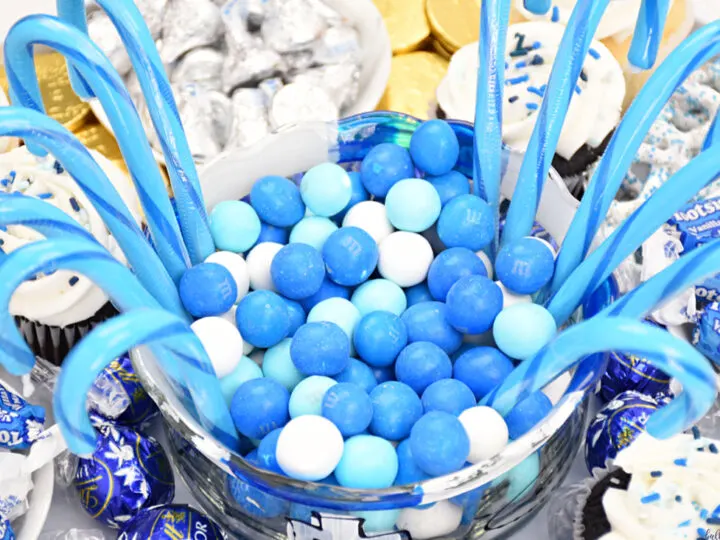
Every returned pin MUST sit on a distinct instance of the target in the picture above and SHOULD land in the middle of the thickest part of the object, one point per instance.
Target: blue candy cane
(107, 84)
(111, 339)
(648, 33)
(161, 104)
(674, 356)
(48, 134)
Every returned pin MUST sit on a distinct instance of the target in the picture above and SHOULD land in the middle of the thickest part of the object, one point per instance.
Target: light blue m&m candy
(525, 265)
(277, 201)
(313, 231)
(359, 194)
(326, 189)
(307, 397)
(434, 147)
(367, 462)
(379, 295)
(234, 226)
(521, 330)
(413, 205)
(278, 365)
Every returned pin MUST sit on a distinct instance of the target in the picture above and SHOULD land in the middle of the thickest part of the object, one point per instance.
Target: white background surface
(66, 513)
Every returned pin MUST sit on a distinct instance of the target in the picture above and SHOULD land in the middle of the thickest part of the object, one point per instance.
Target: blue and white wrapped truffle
(171, 522)
(21, 424)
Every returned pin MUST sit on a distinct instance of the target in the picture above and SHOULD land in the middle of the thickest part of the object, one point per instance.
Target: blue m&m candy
(277, 201)
(526, 414)
(466, 221)
(259, 406)
(396, 408)
(422, 363)
(296, 316)
(449, 266)
(413, 205)
(418, 293)
(350, 255)
(482, 369)
(427, 321)
(207, 289)
(266, 452)
(297, 271)
(262, 318)
(328, 289)
(348, 407)
(358, 373)
(408, 470)
(234, 226)
(434, 147)
(525, 265)
(326, 189)
(384, 165)
(439, 443)
(271, 233)
(320, 348)
(521, 330)
(450, 185)
(379, 338)
(448, 395)
(473, 303)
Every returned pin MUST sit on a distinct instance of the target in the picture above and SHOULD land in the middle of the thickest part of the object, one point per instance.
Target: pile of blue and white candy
(344, 342)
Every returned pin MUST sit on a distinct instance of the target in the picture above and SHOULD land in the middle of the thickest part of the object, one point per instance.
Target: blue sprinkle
(685, 523)
(713, 448)
(577, 89)
(44, 196)
(583, 76)
(555, 14)
(521, 64)
(678, 498)
(536, 45)
(512, 99)
(4, 182)
(702, 533)
(647, 499)
(681, 462)
(537, 60)
(656, 474)
(594, 53)
(518, 80)
(74, 204)
(696, 432)
(535, 91)
(506, 65)
(716, 512)
(73, 280)
(704, 513)
(712, 521)
(12, 175)
(2, 242)
(58, 168)
(532, 106)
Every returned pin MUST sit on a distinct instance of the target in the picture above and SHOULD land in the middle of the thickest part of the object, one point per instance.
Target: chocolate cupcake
(55, 309)
(593, 114)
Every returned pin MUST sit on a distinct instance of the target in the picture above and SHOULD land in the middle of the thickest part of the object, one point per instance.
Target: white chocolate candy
(438, 520)
(259, 261)
(309, 448)
(510, 298)
(487, 262)
(405, 258)
(487, 431)
(222, 342)
(371, 217)
(237, 267)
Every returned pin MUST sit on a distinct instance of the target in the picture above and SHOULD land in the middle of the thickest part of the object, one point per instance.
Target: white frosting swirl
(595, 107)
(61, 298)
(618, 21)
(674, 489)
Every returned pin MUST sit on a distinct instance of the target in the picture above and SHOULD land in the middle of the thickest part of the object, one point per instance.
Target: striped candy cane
(655, 211)
(111, 339)
(686, 58)
(48, 134)
(107, 84)
(674, 356)
(156, 88)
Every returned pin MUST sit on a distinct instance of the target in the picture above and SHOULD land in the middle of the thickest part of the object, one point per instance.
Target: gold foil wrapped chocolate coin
(406, 23)
(413, 80)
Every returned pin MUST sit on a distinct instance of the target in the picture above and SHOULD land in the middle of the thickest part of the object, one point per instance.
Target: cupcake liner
(52, 343)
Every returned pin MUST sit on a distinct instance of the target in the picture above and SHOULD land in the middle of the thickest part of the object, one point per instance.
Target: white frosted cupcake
(53, 311)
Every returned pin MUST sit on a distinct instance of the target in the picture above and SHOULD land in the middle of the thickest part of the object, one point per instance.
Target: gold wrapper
(413, 80)
(454, 23)
(442, 49)
(61, 103)
(406, 23)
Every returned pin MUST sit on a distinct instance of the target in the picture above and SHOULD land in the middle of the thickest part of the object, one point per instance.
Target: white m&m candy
(222, 342)
(259, 261)
(309, 448)
(440, 519)
(487, 431)
(371, 217)
(405, 258)
(237, 267)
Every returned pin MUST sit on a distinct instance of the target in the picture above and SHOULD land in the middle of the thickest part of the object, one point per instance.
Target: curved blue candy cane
(568, 64)
(674, 356)
(84, 257)
(161, 104)
(487, 143)
(686, 58)
(111, 339)
(648, 33)
(644, 221)
(107, 84)
(48, 134)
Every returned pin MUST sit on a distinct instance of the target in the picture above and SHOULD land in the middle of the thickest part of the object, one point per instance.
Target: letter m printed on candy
(325, 527)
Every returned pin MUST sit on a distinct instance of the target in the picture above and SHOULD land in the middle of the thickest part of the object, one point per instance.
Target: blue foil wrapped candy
(21, 424)
(706, 337)
(171, 522)
(128, 472)
(118, 394)
(617, 425)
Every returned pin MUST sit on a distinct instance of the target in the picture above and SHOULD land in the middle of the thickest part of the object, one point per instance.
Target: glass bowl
(486, 499)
